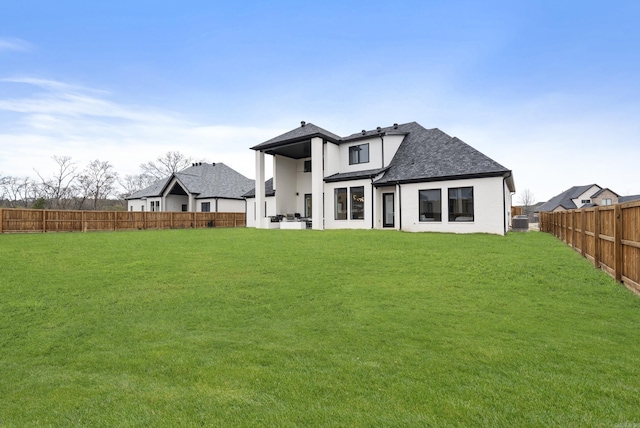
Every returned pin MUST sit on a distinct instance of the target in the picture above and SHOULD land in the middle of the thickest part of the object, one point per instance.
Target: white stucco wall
(488, 207)
(375, 155)
(391, 145)
(329, 204)
(251, 209)
(223, 205)
(331, 159)
(285, 177)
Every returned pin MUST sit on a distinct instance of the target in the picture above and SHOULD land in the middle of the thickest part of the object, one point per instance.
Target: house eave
(505, 174)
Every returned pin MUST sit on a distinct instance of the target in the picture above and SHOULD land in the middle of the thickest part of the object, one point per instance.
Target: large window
(307, 165)
(205, 207)
(357, 203)
(461, 204)
(359, 154)
(340, 196)
(430, 205)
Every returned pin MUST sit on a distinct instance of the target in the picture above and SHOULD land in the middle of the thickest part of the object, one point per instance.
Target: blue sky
(549, 89)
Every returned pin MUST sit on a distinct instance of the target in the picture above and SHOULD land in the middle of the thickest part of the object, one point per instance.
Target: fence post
(1, 219)
(144, 220)
(596, 237)
(583, 232)
(194, 219)
(617, 249)
(573, 229)
(44, 221)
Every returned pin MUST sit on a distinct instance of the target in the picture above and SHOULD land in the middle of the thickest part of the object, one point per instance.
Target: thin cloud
(59, 118)
(13, 44)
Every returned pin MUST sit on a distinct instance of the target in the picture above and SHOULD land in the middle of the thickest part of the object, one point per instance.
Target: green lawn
(245, 327)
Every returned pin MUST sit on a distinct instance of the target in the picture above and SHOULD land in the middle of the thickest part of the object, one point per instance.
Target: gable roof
(204, 180)
(432, 155)
(601, 191)
(564, 199)
(305, 132)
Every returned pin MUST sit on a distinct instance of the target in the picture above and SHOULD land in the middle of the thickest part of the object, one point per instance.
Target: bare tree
(18, 192)
(132, 183)
(165, 165)
(59, 189)
(4, 181)
(526, 199)
(96, 182)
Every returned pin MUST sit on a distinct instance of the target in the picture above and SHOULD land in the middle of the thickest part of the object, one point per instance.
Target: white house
(202, 187)
(402, 177)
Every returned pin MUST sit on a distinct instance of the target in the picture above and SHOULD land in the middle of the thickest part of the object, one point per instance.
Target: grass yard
(245, 327)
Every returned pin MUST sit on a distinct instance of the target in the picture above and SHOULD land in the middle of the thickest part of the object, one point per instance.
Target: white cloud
(58, 118)
(13, 44)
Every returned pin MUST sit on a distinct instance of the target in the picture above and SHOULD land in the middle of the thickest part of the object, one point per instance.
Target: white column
(317, 184)
(260, 196)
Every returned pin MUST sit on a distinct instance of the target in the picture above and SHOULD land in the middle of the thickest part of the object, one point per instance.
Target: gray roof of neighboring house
(564, 199)
(204, 180)
(268, 190)
(430, 155)
(629, 198)
(304, 132)
(601, 191)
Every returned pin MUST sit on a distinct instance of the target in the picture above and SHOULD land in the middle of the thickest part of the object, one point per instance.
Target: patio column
(260, 194)
(317, 185)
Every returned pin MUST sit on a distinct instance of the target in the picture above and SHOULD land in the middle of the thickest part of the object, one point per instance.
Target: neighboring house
(402, 177)
(630, 198)
(580, 197)
(202, 187)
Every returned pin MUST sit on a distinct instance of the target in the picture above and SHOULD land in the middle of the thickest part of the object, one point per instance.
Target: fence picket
(616, 238)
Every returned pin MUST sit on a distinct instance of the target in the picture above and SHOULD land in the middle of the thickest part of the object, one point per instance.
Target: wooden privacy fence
(609, 236)
(25, 220)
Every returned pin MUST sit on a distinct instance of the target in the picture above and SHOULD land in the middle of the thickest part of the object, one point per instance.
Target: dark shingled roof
(629, 198)
(431, 155)
(306, 132)
(424, 155)
(564, 199)
(268, 190)
(205, 180)
(345, 176)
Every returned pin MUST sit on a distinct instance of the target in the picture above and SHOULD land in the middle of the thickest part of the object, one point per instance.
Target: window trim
(354, 201)
(451, 212)
(426, 220)
(345, 211)
(357, 149)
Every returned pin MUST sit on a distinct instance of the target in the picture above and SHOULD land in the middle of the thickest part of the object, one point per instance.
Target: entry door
(388, 214)
(307, 205)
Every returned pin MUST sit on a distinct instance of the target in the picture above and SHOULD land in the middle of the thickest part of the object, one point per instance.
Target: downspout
(504, 204)
(399, 206)
(382, 139)
(372, 206)
(216, 204)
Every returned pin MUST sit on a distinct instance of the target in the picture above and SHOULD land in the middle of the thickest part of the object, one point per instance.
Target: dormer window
(359, 154)
(586, 201)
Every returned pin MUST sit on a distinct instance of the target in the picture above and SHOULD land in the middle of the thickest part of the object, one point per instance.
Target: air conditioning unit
(520, 223)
